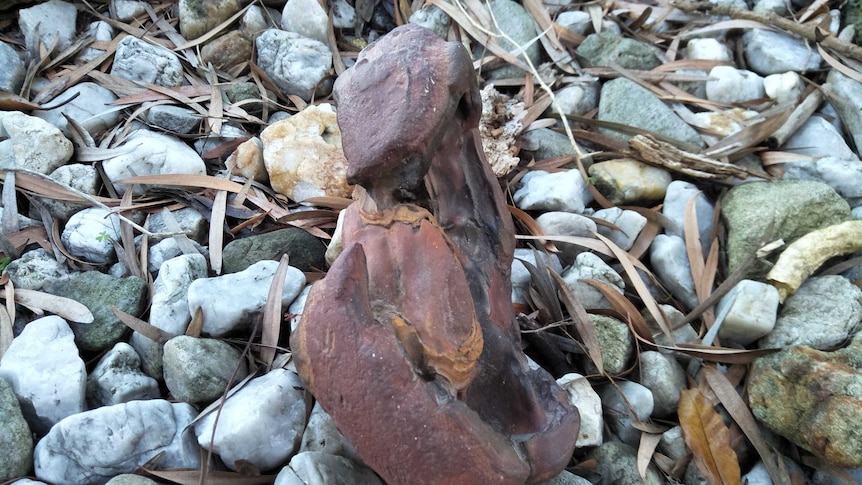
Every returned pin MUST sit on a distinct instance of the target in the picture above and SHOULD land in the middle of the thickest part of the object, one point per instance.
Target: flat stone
(47, 23)
(811, 398)
(306, 18)
(619, 460)
(323, 436)
(34, 268)
(577, 21)
(567, 224)
(589, 404)
(126, 10)
(847, 100)
(589, 266)
(228, 51)
(708, 49)
(630, 182)
(296, 64)
(730, 85)
(822, 314)
(623, 101)
(91, 108)
(258, 19)
(316, 468)
(169, 310)
(606, 48)
(429, 16)
(45, 372)
(137, 60)
(546, 143)
(93, 446)
(198, 370)
(676, 200)
(303, 155)
(630, 224)
(90, 235)
(99, 30)
(785, 87)
(576, 98)
(513, 20)
(247, 161)
(635, 403)
(665, 378)
(12, 77)
(32, 143)
(304, 250)
(152, 153)
(99, 292)
(79, 176)
(117, 379)
(187, 221)
(174, 119)
(843, 175)
(558, 191)
(197, 17)
(793, 207)
(751, 308)
(15, 437)
(670, 263)
(616, 342)
(768, 52)
(818, 138)
(261, 424)
(230, 302)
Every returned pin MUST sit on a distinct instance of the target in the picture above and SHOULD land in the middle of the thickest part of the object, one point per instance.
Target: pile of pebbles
(84, 400)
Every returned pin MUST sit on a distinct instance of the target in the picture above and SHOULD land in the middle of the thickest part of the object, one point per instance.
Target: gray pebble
(198, 370)
(174, 119)
(637, 405)
(47, 23)
(306, 18)
(731, 85)
(589, 266)
(557, 191)
(630, 224)
(12, 76)
(750, 310)
(769, 52)
(589, 404)
(34, 268)
(678, 195)
(90, 235)
(665, 378)
(16, 441)
(316, 468)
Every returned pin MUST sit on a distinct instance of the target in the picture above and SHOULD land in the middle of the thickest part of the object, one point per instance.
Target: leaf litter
(557, 311)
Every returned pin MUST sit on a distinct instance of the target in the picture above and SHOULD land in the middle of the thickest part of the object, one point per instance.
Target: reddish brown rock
(410, 341)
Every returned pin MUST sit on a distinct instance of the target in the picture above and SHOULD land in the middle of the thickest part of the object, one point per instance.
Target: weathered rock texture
(410, 342)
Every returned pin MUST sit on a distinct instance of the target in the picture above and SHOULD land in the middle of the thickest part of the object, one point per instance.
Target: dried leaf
(742, 416)
(153, 333)
(583, 324)
(624, 307)
(6, 334)
(193, 477)
(216, 236)
(718, 354)
(196, 325)
(708, 438)
(183, 180)
(67, 308)
(272, 314)
(649, 442)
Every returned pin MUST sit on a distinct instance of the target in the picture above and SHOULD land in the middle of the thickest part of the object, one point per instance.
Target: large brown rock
(410, 341)
(812, 398)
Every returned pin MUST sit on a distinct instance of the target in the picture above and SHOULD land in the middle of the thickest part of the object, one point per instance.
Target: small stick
(797, 118)
(808, 32)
